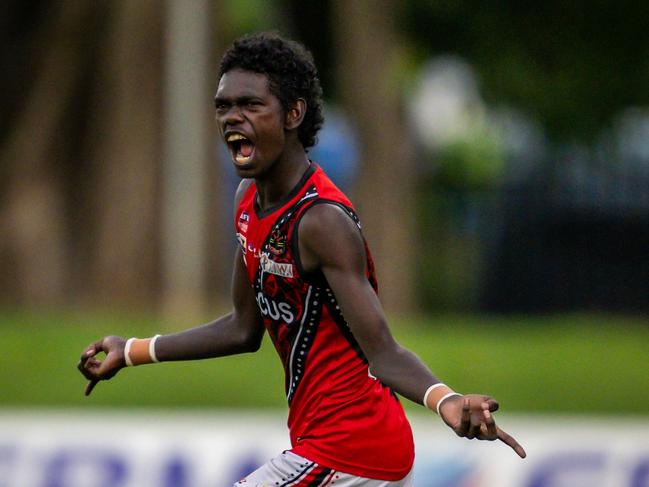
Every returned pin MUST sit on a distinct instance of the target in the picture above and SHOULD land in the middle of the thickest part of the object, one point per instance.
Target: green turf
(585, 364)
(575, 364)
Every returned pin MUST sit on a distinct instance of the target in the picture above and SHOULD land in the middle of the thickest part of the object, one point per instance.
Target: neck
(281, 178)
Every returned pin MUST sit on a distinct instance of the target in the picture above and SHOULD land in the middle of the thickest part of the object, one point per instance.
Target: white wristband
(152, 349)
(431, 389)
(439, 403)
(127, 351)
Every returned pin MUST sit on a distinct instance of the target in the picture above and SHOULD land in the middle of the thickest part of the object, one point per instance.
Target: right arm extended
(239, 331)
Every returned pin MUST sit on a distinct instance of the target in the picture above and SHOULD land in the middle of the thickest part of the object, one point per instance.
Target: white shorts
(291, 470)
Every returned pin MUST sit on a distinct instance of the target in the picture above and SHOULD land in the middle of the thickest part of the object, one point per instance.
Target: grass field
(566, 364)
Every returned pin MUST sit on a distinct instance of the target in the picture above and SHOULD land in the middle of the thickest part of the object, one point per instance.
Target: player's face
(251, 121)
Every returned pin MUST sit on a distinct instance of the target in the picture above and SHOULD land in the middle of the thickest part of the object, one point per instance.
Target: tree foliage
(571, 65)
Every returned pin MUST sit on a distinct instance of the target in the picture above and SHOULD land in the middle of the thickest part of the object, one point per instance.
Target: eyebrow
(238, 98)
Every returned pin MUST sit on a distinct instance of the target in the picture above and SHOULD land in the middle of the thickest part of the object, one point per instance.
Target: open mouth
(241, 148)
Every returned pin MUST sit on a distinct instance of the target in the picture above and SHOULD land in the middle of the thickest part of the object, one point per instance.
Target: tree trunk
(126, 153)
(33, 220)
(187, 111)
(366, 42)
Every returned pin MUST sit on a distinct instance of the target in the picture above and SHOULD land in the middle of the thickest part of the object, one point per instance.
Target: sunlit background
(497, 152)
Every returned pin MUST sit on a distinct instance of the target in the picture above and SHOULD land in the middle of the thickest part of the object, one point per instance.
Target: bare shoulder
(328, 235)
(327, 220)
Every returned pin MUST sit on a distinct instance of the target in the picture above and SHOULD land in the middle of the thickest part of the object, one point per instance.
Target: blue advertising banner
(216, 448)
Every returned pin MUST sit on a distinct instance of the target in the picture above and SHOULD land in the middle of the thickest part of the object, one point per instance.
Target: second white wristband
(439, 403)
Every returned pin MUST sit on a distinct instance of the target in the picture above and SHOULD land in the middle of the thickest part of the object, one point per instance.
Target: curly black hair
(291, 73)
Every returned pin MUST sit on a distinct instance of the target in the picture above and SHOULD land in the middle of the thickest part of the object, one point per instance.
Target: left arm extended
(330, 241)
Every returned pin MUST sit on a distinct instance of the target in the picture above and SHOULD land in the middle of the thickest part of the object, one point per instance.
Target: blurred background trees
(498, 154)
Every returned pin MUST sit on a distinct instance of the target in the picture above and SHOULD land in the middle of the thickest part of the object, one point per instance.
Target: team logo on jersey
(272, 267)
(244, 219)
(277, 242)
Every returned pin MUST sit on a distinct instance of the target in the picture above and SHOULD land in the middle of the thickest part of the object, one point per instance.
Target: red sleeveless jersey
(339, 416)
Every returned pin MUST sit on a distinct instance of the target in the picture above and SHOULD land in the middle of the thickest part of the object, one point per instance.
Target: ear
(295, 114)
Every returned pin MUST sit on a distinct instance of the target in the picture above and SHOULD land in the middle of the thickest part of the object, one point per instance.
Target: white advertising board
(215, 448)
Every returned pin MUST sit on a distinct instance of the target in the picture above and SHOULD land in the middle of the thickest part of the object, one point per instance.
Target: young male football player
(304, 274)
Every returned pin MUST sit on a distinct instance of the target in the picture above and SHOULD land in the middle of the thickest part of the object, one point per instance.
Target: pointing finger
(511, 442)
(91, 385)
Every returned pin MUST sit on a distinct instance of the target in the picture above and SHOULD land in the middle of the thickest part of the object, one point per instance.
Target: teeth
(238, 157)
(234, 137)
(241, 159)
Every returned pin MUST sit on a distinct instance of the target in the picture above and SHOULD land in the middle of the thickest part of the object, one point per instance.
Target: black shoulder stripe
(337, 315)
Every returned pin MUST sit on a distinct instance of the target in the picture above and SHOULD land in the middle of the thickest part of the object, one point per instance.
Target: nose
(232, 116)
